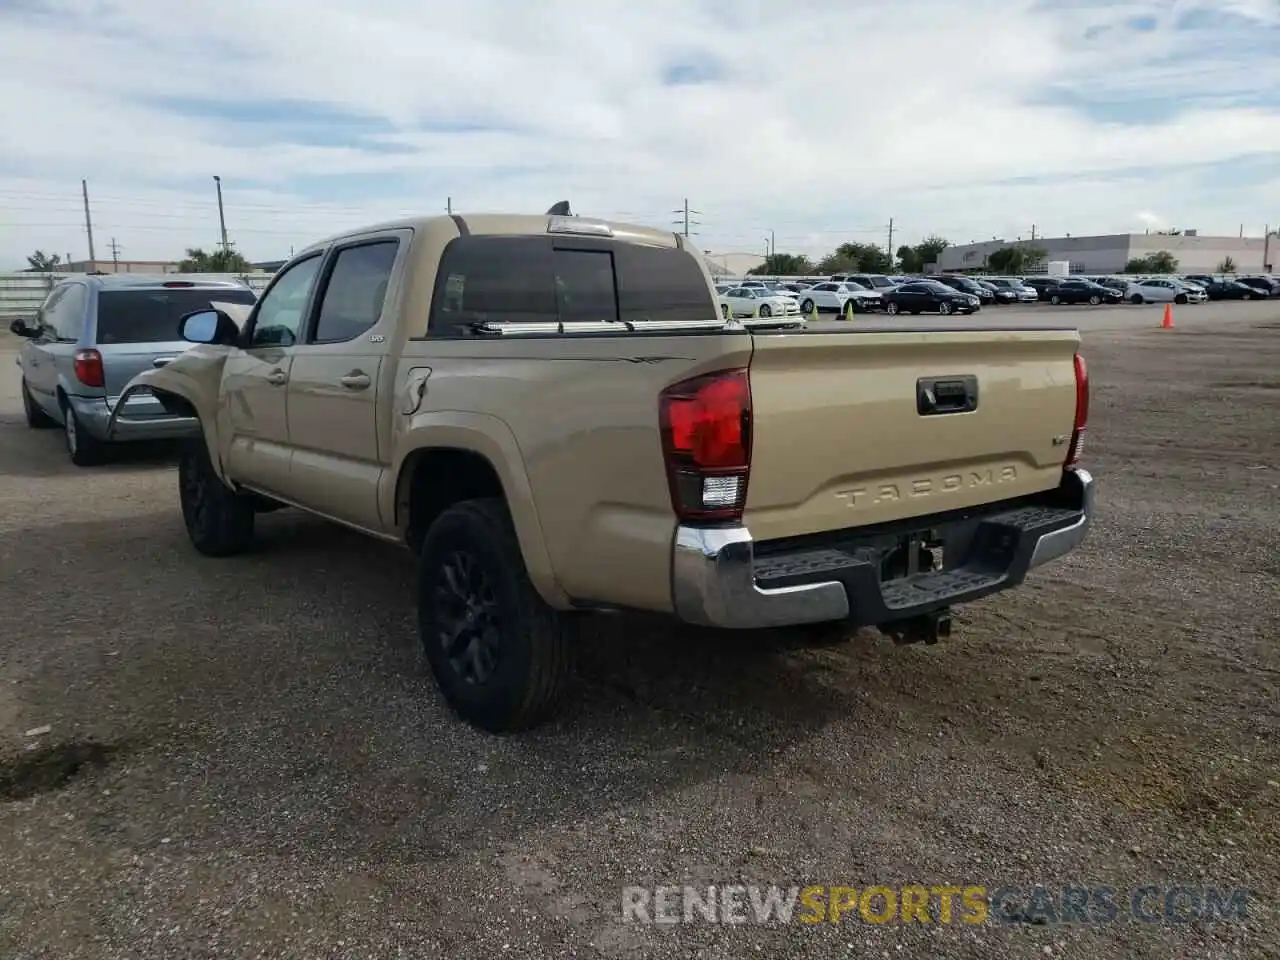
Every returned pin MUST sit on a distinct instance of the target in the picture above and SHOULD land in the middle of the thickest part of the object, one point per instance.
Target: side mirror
(209, 326)
(19, 328)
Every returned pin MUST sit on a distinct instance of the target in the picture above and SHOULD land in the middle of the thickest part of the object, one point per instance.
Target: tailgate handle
(938, 395)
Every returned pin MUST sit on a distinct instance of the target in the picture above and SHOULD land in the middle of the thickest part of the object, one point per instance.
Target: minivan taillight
(1082, 413)
(706, 442)
(88, 367)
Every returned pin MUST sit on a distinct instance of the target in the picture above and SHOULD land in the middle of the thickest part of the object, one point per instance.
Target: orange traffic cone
(1167, 322)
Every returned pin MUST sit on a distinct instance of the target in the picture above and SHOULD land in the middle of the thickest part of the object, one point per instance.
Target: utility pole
(88, 222)
(773, 244)
(222, 220)
(448, 205)
(685, 211)
(889, 249)
(1266, 249)
(115, 255)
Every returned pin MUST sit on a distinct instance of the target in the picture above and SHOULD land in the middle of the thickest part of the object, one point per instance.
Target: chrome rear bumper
(718, 581)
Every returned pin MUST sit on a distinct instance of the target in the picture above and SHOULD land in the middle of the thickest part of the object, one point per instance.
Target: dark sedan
(998, 293)
(928, 296)
(966, 285)
(1267, 285)
(1041, 285)
(1083, 291)
(1233, 290)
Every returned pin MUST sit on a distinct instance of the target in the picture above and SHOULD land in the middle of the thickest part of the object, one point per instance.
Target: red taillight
(1082, 413)
(706, 440)
(88, 367)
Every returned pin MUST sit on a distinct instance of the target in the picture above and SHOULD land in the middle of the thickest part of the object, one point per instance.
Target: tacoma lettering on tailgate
(927, 486)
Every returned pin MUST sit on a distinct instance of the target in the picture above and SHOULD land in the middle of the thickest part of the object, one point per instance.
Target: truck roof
(515, 224)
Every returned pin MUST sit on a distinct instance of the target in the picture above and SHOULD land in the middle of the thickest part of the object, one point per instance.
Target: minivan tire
(219, 521)
(472, 584)
(84, 449)
(37, 419)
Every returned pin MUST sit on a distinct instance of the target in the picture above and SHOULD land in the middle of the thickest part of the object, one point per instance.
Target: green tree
(1227, 265)
(783, 265)
(915, 258)
(835, 263)
(41, 262)
(1016, 259)
(849, 257)
(219, 261)
(1161, 262)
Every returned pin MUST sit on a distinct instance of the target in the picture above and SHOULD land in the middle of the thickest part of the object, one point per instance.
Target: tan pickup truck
(549, 411)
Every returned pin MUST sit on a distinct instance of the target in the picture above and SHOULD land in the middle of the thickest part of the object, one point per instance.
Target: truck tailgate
(865, 427)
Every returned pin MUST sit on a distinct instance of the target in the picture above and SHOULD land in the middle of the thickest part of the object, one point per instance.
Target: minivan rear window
(154, 316)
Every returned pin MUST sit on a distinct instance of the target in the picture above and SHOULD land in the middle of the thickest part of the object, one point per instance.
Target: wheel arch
(462, 457)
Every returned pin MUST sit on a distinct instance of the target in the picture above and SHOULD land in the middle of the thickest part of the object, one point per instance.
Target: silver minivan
(91, 336)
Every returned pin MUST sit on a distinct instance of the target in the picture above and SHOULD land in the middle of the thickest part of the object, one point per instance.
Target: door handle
(162, 361)
(355, 380)
(277, 377)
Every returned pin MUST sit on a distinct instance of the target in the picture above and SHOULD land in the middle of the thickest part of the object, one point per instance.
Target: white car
(756, 302)
(1164, 290)
(844, 298)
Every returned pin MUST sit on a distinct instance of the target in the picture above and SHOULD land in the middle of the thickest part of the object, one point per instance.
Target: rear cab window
(154, 315)
(531, 279)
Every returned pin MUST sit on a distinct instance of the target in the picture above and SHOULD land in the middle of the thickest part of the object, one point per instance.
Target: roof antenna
(560, 209)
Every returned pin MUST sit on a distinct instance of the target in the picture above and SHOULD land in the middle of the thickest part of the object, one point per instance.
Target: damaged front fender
(188, 387)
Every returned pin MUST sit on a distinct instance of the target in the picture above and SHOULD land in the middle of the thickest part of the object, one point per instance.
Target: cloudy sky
(815, 119)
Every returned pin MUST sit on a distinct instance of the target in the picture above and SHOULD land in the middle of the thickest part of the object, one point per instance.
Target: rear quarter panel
(571, 425)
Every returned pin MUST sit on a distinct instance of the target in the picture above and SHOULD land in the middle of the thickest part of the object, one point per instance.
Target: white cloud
(965, 120)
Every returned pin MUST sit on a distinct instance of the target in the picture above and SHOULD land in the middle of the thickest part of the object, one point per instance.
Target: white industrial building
(1109, 254)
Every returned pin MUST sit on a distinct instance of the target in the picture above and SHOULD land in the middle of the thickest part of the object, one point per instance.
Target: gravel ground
(247, 757)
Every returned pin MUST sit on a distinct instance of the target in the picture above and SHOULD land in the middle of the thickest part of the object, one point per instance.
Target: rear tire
(84, 449)
(1137, 300)
(724, 310)
(37, 419)
(1095, 300)
(500, 654)
(1055, 300)
(806, 307)
(891, 309)
(219, 520)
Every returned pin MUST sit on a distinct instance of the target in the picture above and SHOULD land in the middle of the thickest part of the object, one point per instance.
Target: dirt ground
(247, 757)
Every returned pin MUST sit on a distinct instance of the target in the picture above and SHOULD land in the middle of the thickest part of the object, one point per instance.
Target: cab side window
(355, 291)
(282, 310)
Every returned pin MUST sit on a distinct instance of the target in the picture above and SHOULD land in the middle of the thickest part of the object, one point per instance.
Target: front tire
(37, 419)
(724, 311)
(1137, 300)
(219, 521)
(766, 310)
(1095, 300)
(944, 308)
(1180, 298)
(500, 654)
(892, 309)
